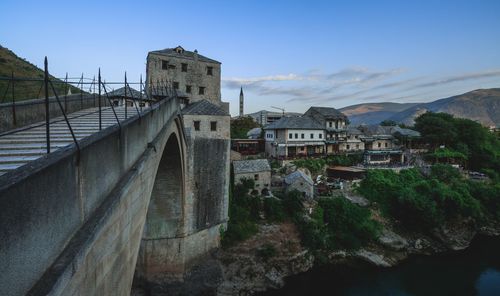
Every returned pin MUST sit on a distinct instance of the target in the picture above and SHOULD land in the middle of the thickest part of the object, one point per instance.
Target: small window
(188, 89)
(379, 145)
(201, 90)
(196, 125)
(348, 147)
(210, 71)
(184, 67)
(296, 136)
(357, 146)
(386, 144)
(213, 125)
(290, 136)
(330, 124)
(312, 136)
(256, 177)
(176, 85)
(302, 136)
(171, 66)
(321, 136)
(164, 65)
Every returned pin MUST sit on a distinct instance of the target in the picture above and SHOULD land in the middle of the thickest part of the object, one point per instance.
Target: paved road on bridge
(20, 147)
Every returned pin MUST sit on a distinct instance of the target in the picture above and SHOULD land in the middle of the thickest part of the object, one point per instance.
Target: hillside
(373, 113)
(24, 90)
(482, 105)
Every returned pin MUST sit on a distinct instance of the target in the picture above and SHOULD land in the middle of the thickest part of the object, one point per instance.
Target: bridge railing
(21, 105)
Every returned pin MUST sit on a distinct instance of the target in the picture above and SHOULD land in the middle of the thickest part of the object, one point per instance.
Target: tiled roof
(353, 131)
(171, 52)
(251, 166)
(302, 122)
(326, 112)
(121, 93)
(203, 107)
(291, 178)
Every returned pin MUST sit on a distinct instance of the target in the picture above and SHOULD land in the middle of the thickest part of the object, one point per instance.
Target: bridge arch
(166, 214)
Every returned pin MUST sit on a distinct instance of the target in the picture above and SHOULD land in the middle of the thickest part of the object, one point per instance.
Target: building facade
(194, 76)
(258, 170)
(294, 137)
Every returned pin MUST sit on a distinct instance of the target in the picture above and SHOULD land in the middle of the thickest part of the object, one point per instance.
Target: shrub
(273, 210)
(267, 252)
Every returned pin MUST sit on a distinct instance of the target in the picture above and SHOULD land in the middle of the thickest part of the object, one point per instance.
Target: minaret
(241, 102)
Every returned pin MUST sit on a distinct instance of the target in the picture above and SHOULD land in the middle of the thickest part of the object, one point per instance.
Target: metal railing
(90, 90)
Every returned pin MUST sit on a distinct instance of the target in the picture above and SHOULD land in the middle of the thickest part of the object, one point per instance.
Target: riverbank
(474, 271)
(245, 271)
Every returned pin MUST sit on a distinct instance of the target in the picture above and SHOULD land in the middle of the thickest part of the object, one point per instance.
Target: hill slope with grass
(24, 90)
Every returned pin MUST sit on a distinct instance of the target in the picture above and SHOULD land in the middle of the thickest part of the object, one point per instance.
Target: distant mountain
(373, 113)
(482, 105)
(10, 62)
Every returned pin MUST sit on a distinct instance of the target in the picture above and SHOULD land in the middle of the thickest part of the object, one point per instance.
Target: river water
(475, 271)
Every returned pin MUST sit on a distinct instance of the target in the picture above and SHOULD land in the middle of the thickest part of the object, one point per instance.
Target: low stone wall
(33, 111)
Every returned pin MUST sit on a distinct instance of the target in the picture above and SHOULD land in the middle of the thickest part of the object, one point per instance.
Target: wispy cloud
(355, 83)
(458, 78)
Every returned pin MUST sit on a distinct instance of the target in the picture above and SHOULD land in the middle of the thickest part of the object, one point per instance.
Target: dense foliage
(422, 202)
(479, 146)
(338, 224)
(243, 214)
(240, 127)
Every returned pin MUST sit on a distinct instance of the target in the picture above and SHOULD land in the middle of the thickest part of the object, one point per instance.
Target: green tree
(240, 127)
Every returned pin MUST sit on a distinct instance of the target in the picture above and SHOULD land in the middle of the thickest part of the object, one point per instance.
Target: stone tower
(241, 101)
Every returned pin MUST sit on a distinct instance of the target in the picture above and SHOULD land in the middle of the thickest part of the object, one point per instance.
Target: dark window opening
(196, 125)
(164, 65)
(302, 136)
(210, 71)
(188, 89)
(296, 136)
(379, 145)
(312, 136)
(201, 90)
(213, 125)
(290, 136)
(321, 136)
(256, 177)
(184, 67)
(176, 85)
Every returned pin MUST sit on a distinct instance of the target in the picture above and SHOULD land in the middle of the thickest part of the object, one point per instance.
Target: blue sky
(292, 54)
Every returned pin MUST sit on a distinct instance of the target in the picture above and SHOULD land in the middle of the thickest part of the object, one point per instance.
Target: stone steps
(19, 148)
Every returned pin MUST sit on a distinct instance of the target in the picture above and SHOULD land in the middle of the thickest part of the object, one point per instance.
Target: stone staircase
(21, 146)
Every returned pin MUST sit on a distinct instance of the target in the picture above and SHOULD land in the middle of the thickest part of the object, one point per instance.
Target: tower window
(188, 89)
(184, 67)
(196, 125)
(213, 125)
(201, 90)
(164, 65)
(210, 71)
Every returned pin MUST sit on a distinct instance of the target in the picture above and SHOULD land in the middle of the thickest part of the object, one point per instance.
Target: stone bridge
(133, 200)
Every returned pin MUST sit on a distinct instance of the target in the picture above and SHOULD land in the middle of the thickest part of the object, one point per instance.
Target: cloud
(356, 84)
(458, 78)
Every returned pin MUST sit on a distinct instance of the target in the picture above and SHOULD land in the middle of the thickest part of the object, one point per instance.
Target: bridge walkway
(19, 147)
